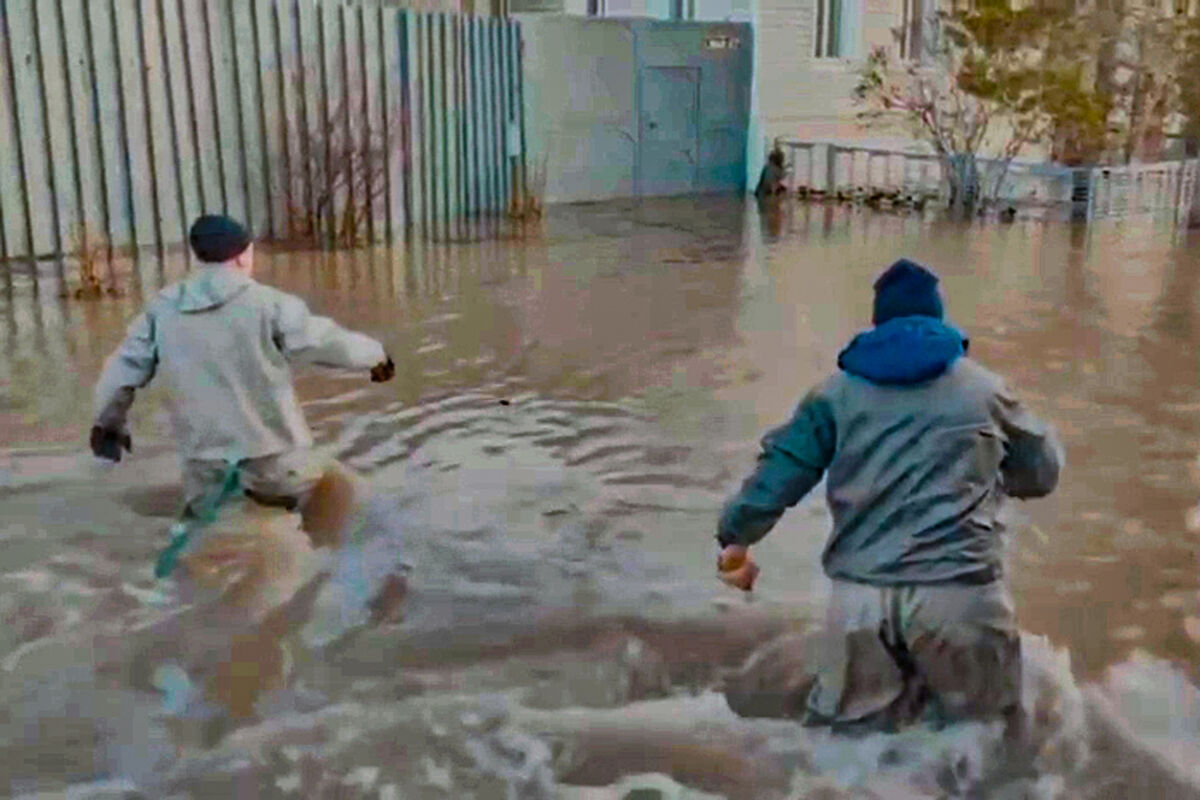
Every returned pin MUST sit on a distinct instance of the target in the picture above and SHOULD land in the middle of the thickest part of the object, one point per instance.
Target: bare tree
(341, 178)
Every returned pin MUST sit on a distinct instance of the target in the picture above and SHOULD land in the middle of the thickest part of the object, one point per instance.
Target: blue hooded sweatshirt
(919, 445)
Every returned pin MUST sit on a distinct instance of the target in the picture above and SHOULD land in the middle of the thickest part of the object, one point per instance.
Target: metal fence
(1093, 192)
(128, 118)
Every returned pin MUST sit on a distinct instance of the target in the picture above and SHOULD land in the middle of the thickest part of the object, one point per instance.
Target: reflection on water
(569, 412)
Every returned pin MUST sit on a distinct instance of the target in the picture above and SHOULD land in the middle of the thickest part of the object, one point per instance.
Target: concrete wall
(582, 100)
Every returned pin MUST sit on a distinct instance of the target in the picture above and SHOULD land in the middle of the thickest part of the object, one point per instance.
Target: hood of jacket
(209, 288)
(904, 351)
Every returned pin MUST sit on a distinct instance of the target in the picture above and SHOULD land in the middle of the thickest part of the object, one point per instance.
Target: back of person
(919, 446)
(222, 344)
(916, 482)
(218, 336)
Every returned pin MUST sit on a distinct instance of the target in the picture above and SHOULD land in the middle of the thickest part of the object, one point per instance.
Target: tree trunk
(962, 172)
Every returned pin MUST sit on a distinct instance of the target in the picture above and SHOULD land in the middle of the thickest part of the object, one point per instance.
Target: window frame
(828, 29)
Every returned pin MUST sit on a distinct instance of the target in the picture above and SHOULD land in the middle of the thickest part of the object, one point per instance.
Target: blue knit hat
(906, 289)
(216, 239)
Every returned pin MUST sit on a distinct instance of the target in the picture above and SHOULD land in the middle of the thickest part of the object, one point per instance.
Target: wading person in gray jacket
(919, 446)
(222, 343)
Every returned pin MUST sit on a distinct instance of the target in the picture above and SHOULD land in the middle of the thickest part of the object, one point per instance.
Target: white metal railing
(851, 170)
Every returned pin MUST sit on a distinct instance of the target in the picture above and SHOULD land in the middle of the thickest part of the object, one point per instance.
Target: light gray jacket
(222, 342)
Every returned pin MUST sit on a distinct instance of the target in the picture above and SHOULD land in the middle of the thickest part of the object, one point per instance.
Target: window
(829, 30)
(912, 30)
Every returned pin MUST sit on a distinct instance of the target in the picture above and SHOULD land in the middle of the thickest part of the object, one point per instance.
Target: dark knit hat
(216, 239)
(906, 289)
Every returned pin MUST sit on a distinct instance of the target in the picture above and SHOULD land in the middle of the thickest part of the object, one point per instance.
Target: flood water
(569, 412)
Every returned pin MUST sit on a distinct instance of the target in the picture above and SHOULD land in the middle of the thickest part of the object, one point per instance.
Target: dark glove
(107, 443)
(383, 371)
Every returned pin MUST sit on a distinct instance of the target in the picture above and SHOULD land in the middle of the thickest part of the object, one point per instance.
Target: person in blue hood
(919, 446)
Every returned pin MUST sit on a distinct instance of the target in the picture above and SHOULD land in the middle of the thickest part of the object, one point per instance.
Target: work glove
(383, 371)
(107, 443)
(736, 568)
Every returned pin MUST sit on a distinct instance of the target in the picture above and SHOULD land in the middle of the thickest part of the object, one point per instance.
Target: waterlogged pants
(337, 511)
(889, 656)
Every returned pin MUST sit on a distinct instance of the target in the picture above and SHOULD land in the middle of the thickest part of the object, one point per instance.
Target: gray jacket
(920, 446)
(221, 342)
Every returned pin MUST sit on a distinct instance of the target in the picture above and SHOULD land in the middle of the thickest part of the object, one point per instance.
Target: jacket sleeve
(129, 368)
(304, 336)
(794, 457)
(1033, 456)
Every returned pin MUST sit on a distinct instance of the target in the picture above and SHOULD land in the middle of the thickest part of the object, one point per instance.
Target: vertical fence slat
(356, 120)
(161, 153)
(424, 59)
(479, 116)
(228, 109)
(106, 99)
(396, 111)
(194, 40)
(293, 124)
(56, 122)
(179, 106)
(92, 208)
(327, 28)
(507, 113)
(268, 19)
(134, 146)
(445, 85)
(486, 78)
(416, 139)
(438, 99)
(311, 95)
(471, 79)
(497, 131)
(28, 106)
(454, 116)
(13, 229)
(517, 156)
(519, 106)
(247, 66)
(348, 121)
(377, 136)
(65, 130)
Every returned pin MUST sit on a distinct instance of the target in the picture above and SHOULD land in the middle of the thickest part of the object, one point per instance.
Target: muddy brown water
(569, 411)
